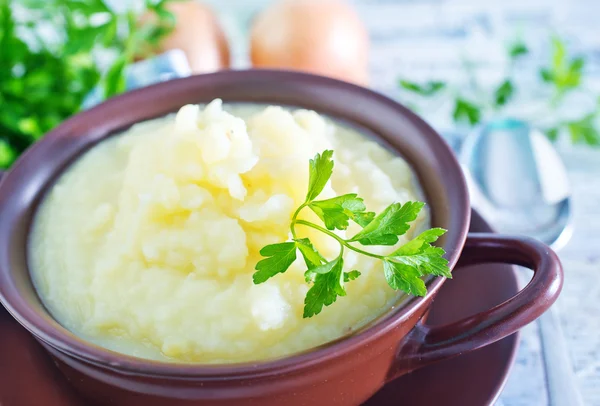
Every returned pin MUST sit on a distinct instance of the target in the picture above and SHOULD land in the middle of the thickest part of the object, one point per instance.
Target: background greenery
(50, 60)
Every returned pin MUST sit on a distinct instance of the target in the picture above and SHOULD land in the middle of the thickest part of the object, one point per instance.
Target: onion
(199, 35)
(319, 36)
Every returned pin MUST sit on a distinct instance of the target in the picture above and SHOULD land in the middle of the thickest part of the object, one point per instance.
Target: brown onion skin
(324, 37)
(199, 35)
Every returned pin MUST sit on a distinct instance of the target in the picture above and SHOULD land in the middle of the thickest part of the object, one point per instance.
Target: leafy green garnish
(311, 256)
(387, 226)
(517, 50)
(584, 131)
(311, 274)
(319, 170)
(581, 131)
(504, 93)
(466, 111)
(279, 258)
(420, 254)
(563, 74)
(552, 133)
(337, 211)
(325, 290)
(44, 79)
(403, 277)
(350, 276)
(403, 268)
(427, 89)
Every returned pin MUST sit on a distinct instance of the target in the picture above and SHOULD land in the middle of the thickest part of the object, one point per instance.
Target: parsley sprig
(560, 76)
(403, 268)
(53, 53)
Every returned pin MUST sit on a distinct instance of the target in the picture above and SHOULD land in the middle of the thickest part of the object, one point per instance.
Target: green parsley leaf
(114, 82)
(337, 211)
(321, 269)
(319, 171)
(546, 75)
(110, 32)
(280, 257)
(7, 154)
(517, 50)
(466, 111)
(404, 277)
(559, 53)
(362, 219)
(326, 289)
(577, 65)
(584, 131)
(311, 256)
(563, 73)
(86, 7)
(422, 256)
(572, 77)
(350, 276)
(504, 93)
(427, 89)
(420, 242)
(387, 226)
(552, 133)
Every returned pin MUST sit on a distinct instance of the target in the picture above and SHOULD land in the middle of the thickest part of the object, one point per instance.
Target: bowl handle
(428, 344)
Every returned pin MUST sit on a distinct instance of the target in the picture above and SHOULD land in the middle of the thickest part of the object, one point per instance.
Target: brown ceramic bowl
(343, 372)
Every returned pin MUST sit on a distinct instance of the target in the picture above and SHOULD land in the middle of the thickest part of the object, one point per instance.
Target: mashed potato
(148, 243)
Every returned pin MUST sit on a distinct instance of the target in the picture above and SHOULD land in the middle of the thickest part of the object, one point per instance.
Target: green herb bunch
(562, 75)
(403, 268)
(49, 60)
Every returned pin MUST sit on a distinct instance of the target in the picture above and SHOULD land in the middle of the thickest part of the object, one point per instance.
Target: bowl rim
(62, 340)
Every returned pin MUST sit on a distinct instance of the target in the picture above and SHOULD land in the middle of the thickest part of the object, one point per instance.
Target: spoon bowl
(519, 183)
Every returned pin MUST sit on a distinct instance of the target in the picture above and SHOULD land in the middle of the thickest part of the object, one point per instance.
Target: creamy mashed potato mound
(148, 243)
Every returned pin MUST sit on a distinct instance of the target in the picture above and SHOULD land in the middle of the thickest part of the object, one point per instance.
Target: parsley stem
(294, 217)
(338, 238)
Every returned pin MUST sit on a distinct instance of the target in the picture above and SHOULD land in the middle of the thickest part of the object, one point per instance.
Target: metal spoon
(518, 182)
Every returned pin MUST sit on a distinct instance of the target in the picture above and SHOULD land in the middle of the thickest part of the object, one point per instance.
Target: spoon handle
(562, 388)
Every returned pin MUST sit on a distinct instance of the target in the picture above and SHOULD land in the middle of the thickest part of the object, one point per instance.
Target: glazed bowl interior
(23, 188)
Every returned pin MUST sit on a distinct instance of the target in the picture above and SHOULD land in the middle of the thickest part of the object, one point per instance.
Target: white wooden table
(424, 39)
